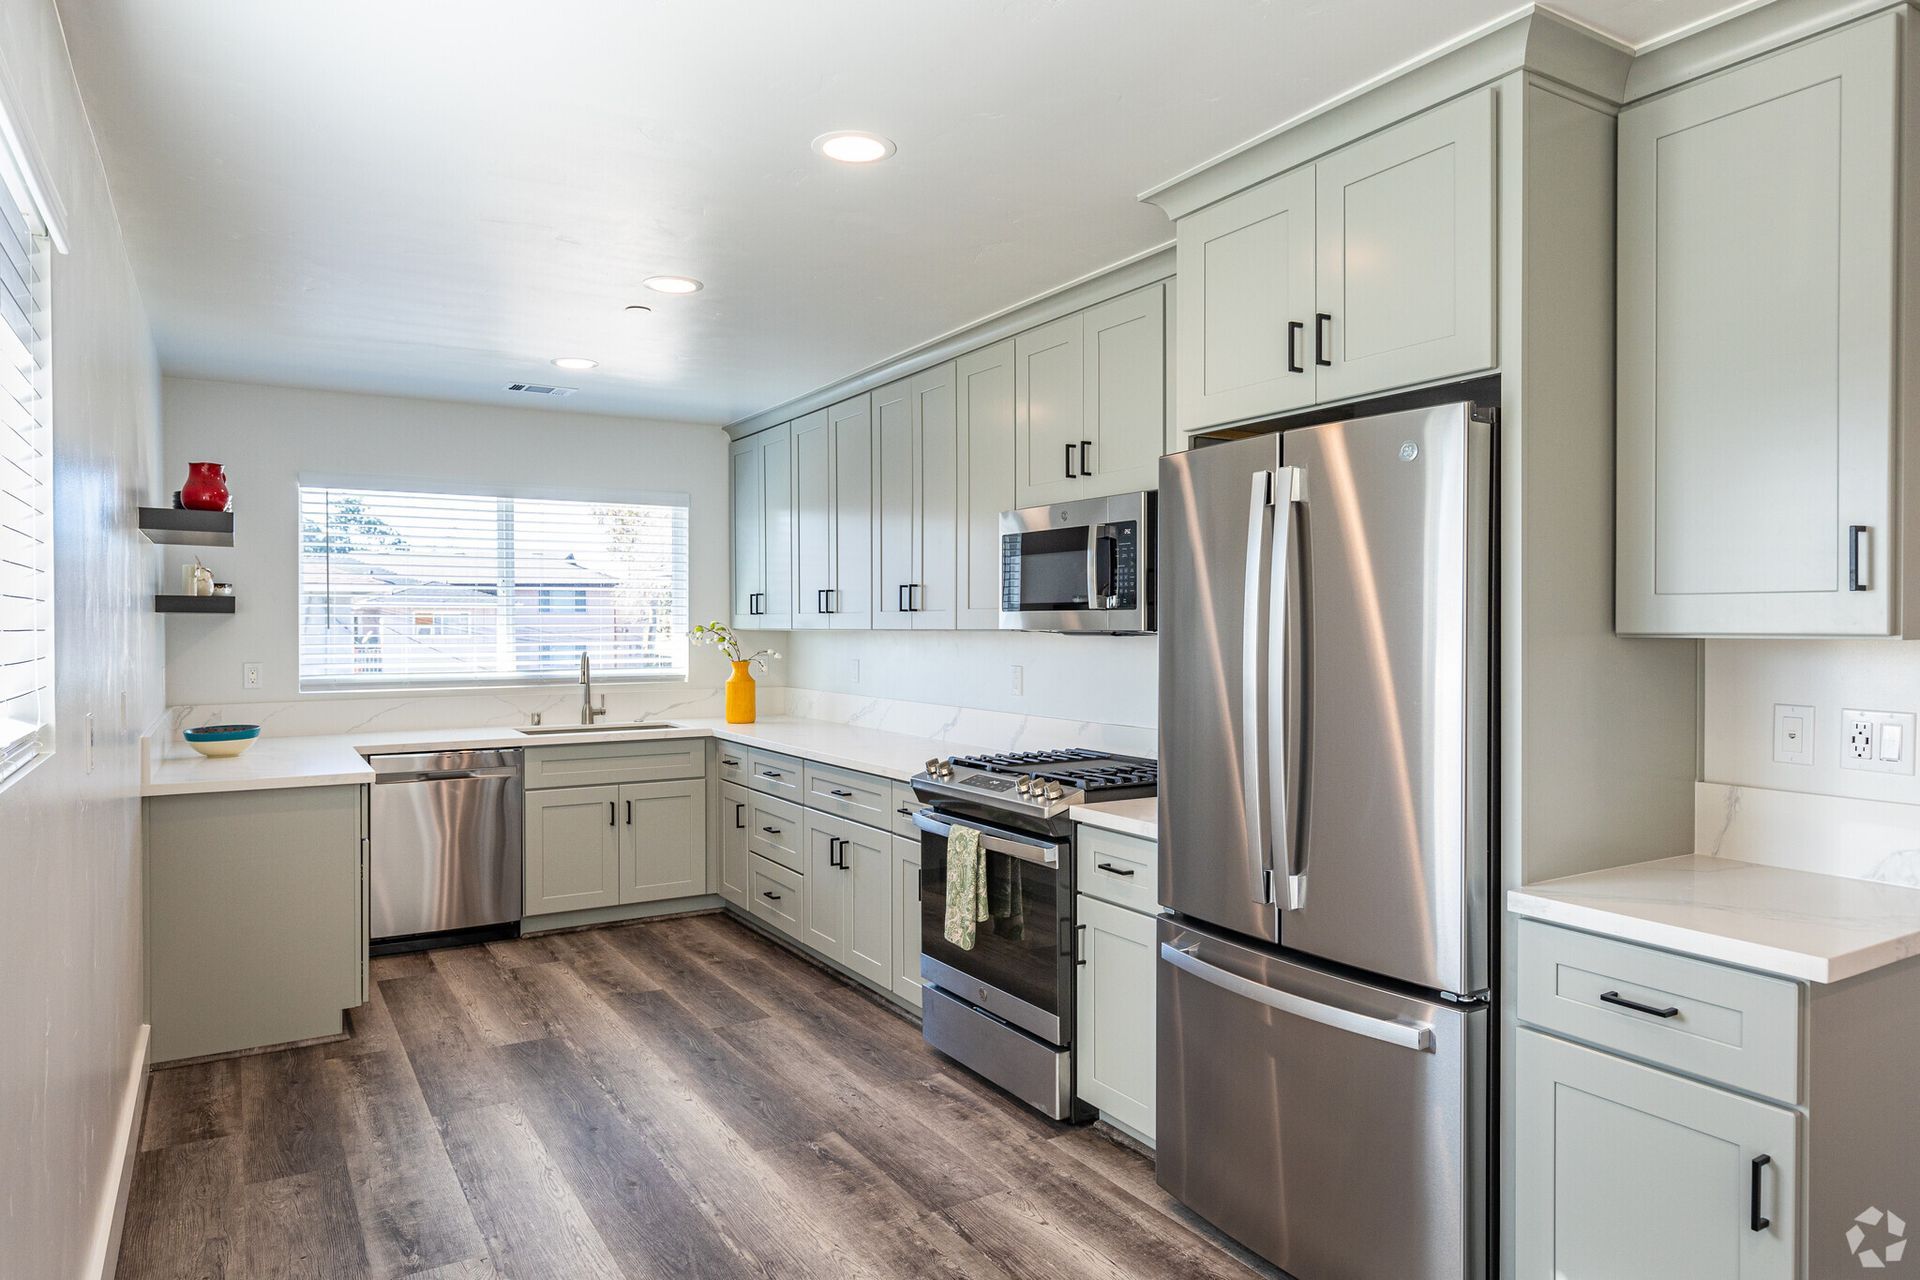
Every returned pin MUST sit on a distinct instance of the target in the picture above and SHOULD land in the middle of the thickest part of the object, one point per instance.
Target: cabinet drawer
(1123, 870)
(730, 761)
(905, 804)
(778, 895)
(774, 831)
(859, 796)
(1728, 1025)
(775, 775)
(594, 764)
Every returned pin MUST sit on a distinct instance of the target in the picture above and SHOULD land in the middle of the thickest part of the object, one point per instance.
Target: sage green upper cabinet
(762, 473)
(1404, 231)
(914, 464)
(1246, 301)
(984, 388)
(833, 516)
(1759, 277)
(1090, 400)
(1368, 270)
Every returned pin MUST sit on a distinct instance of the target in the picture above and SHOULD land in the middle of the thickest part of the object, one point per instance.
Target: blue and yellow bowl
(219, 740)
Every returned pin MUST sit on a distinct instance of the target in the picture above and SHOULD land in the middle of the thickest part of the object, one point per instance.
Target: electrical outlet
(1877, 741)
(250, 675)
(1019, 681)
(1792, 733)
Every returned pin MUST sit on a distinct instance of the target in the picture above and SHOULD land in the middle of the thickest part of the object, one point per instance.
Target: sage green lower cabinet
(849, 916)
(572, 849)
(1114, 995)
(663, 841)
(1627, 1172)
(735, 801)
(256, 925)
(906, 919)
(777, 895)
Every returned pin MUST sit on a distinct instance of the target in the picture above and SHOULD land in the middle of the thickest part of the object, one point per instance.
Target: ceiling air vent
(540, 389)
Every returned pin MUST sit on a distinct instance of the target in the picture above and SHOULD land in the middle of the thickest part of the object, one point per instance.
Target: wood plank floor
(680, 1098)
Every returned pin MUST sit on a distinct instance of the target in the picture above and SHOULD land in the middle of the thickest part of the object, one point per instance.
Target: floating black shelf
(187, 528)
(193, 604)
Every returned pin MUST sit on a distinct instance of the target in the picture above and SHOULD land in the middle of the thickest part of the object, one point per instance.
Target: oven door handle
(995, 840)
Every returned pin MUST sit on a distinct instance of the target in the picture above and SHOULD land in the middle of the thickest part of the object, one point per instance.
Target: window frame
(374, 685)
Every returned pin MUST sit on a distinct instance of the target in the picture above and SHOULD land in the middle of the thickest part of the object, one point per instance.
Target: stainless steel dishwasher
(447, 842)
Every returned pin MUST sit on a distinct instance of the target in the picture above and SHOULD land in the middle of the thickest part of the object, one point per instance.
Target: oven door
(1021, 966)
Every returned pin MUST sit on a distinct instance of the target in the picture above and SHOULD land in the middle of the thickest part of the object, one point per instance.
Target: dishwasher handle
(443, 775)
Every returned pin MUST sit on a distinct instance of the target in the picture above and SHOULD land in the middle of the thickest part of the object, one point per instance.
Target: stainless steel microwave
(1079, 566)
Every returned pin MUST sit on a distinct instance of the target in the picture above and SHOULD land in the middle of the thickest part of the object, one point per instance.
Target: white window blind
(417, 589)
(26, 484)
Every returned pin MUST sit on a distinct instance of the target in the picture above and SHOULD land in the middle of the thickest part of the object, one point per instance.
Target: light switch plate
(1792, 733)
(1876, 741)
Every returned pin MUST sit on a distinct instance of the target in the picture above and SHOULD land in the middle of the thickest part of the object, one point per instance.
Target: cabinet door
(827, 905)
(1626, 1172)
(934, 408)
(866, 865)
(896, 481)
(906, 919)
(1114, 1003)
(850, 602)
(1049, 410)
(1758, 294)
(749, 530)
(735, 802)
(1405, 261)
(983, 391)
(1126, 392)
(813, 521)
(1246, 293)
(663, 840)
(572, 849)
(776, 468)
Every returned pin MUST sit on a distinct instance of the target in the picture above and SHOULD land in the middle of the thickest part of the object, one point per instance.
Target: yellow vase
(740, 691)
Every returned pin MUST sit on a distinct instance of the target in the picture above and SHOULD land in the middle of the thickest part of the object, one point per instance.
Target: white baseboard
(104, 1257)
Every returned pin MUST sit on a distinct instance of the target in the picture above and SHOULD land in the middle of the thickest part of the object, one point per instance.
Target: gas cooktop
(1010, 785)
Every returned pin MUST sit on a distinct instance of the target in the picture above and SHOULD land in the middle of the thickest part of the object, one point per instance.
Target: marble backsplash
(965, 727)
(1834, 835)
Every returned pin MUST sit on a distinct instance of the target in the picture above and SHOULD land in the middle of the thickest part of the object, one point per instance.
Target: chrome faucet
(589, 712)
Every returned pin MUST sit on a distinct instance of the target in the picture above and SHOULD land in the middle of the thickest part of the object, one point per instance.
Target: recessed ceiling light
(851, 146)
(673, 284)
(574, 362)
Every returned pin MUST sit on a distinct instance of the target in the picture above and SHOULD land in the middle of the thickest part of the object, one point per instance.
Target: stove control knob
(1054, 791)
(1024, 785)
(933, 768)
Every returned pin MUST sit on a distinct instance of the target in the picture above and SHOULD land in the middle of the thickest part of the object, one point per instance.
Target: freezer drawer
(1335, 1128)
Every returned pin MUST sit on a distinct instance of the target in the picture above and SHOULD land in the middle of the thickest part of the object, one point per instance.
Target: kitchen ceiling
(438, 199)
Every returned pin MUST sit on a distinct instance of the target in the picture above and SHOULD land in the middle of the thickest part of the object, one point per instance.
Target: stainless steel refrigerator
(1325, 765)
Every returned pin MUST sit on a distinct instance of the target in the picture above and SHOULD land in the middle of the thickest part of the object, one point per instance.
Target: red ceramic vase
(206, 487)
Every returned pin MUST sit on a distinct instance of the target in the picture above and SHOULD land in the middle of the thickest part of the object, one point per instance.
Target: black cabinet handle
(1294, 329)
(739, 816)
(729, 762)
(1070, 472)
(772, 831)
(629, 813)
(1079, 944)
(1322, 339)
(1086, 457)
(914, 604)
(904, 812)
(1856, 536)
(1754, 1221)
(844, 795)
(768, 893)
(772, 773)
(610, 812)
(1118, 871)
(1614, 997)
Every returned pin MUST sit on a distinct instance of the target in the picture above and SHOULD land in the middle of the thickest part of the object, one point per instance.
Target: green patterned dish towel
(966, 885)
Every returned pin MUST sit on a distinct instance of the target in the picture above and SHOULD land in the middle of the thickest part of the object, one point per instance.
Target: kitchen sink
(628, 726)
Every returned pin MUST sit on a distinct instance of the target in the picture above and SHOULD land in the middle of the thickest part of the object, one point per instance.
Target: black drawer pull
(904, 812)
(844, 795)
(772, 831)
(1118, 871)
(1754, 1221)
(772, 773)
(1614, 997)
(768, 893)
(730, 763)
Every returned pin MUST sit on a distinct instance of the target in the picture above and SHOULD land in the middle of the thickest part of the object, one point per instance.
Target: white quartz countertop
(336, 760)
(1129, 817)
(1797, 924)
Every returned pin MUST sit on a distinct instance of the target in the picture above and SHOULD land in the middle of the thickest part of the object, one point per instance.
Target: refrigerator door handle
(1417, 1036)
(1254, 615)
(1286, 842)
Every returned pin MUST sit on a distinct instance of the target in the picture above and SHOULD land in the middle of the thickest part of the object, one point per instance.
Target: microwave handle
(1096, 598)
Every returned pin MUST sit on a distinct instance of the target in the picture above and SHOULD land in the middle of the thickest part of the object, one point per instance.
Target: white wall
(1110, 679)
(72, 951)
(1745, 678)
(270, 436)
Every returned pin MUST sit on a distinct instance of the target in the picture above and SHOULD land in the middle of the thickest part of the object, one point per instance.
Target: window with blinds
(412, 589)
(26, 485)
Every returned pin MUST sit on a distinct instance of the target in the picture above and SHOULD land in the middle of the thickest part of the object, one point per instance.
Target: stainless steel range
(1004, 1008)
